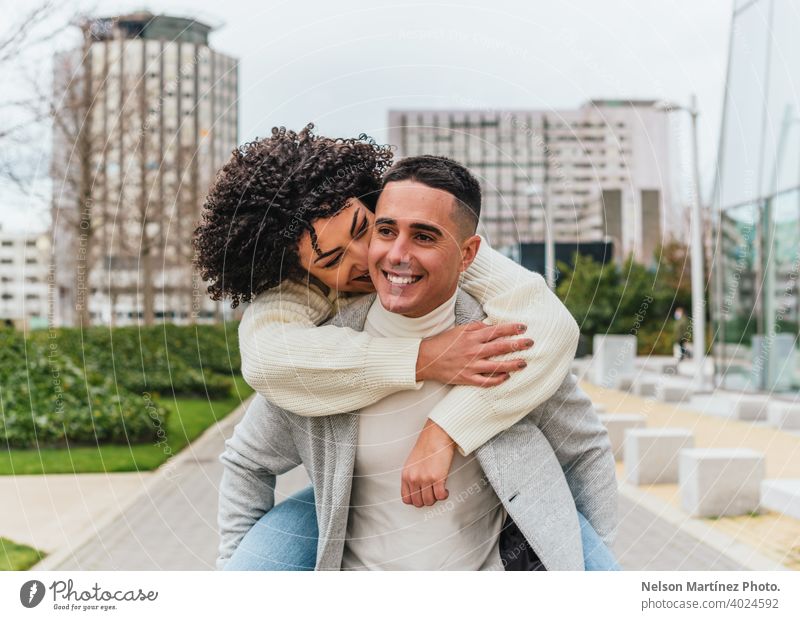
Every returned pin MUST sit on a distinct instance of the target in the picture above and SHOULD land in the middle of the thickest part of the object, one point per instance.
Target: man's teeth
(401, 279)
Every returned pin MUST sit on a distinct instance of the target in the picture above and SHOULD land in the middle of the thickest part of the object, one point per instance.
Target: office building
(147, 113)
(604, 167)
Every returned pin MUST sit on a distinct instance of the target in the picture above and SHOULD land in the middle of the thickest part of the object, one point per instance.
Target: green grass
(188, 418)
(17, 557)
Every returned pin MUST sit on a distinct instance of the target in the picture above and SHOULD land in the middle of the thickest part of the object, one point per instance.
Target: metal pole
(697, 254)
(549, 233)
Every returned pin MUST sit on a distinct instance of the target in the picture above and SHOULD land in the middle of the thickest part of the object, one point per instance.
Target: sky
(343, 64)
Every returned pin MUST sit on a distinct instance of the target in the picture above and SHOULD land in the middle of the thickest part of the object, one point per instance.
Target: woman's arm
(509, 292)
(319, 370)
(312, 370)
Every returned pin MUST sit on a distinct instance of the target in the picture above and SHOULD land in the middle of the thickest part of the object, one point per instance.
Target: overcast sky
(344, 63)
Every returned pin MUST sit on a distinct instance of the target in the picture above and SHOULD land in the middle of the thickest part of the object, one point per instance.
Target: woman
(287, 225)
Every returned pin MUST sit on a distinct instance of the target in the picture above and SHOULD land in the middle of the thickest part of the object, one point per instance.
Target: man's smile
(400, 279)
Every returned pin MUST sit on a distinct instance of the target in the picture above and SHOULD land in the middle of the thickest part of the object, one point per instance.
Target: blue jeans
(285, 538)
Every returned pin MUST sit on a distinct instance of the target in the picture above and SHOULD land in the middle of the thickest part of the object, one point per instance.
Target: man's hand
(427, 467)
(461, 355)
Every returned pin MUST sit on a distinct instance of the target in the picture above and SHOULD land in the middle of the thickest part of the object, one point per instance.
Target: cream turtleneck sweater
(383, 533)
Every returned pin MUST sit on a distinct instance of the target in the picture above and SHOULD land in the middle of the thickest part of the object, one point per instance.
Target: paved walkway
(774, 536)
(47, 512)
(172, 525)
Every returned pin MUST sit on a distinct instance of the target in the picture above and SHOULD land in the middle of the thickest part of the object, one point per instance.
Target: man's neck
(390, 324)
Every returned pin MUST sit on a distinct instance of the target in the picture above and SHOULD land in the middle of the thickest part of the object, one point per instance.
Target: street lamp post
(536, 192)
(696, 252)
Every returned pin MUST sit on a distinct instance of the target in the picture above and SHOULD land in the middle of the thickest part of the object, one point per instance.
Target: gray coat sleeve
(581, 444)
(262, 447)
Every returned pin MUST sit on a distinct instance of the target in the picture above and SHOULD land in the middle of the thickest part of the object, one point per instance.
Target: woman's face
(340, 259)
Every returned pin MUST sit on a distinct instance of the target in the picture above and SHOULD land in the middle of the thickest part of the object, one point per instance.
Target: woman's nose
(359, 250)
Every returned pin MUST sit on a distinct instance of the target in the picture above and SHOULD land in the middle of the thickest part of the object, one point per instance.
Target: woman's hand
(460, 355)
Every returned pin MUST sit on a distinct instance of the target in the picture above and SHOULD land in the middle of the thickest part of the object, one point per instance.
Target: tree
(78, 168)
(626, 298)
(24, 111)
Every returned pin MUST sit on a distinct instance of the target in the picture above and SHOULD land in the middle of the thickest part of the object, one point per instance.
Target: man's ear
(469, 250)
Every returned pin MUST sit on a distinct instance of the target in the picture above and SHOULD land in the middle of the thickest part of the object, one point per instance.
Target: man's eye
(384, 231)
(424, 237)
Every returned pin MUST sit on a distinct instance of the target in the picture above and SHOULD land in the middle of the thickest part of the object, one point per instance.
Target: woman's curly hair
(268, 194)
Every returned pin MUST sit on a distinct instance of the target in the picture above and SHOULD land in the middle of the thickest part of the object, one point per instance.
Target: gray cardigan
(553, 460)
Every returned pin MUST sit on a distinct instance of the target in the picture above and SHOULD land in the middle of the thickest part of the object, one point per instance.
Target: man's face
(417, 252)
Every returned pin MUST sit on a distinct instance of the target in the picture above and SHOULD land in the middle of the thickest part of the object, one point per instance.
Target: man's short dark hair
(445, 174)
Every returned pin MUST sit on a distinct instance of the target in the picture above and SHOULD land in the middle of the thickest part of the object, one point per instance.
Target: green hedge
(48, 400)
(161, 359)
(214, 348)
(101, 385)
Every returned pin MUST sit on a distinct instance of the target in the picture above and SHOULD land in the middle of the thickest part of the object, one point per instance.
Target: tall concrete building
(605, 168)
(146, 113)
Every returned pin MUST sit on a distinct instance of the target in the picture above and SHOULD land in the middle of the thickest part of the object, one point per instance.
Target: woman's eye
(361, 232)
(335, 261)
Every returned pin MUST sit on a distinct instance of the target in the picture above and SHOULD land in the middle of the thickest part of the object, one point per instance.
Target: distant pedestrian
(681, 333)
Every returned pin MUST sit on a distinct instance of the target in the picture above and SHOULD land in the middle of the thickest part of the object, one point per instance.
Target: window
(8, 244)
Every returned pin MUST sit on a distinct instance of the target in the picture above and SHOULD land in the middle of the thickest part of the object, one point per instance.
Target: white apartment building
(161, 120)
(24, 262)
(605, 168)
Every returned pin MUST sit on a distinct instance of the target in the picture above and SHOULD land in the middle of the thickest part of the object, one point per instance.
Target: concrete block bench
(785, 416)
(669, 369)
(646, 387)
(616, 424)
(721, 482)
(671, 392)
(751, 408)
(625, 382)
(651, 454)
(613, 356)
(781, 495)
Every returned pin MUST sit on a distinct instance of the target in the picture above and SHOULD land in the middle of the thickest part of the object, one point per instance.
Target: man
(512, 503)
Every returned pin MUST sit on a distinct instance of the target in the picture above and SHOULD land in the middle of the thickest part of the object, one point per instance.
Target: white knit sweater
(313, 371)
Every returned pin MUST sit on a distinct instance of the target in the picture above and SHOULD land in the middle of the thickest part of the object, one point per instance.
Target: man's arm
(261, 448)
(581, 444)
